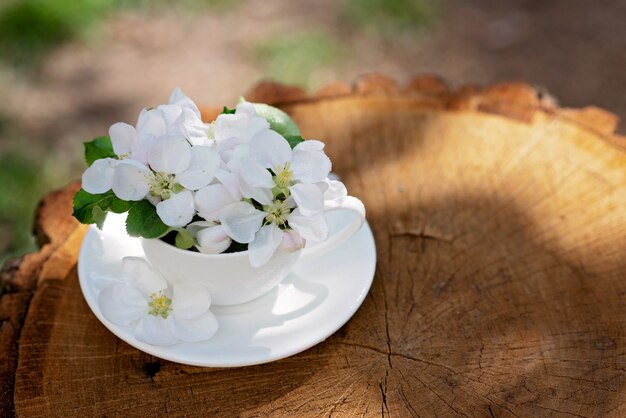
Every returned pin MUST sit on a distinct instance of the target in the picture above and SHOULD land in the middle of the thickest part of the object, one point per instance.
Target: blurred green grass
(387, 17)
(293, 59)
(31, 28)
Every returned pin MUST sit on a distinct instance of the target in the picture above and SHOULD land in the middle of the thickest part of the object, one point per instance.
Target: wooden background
(500, 287)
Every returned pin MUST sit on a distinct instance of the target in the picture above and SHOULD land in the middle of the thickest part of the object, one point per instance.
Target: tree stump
(500, 225)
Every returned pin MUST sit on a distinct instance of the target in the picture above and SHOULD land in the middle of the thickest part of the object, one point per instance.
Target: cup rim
(171, 247)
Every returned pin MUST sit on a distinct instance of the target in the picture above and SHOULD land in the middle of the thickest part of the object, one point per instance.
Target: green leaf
(100, 147)
(227, 111)
(184, 240)
(279, 121)
(143, 221)
(84, 204)
(99, 216)
(294, 140)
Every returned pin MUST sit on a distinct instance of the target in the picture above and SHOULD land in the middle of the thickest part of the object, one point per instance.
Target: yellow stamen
(277, 212)
(161, 185)
(284, 176)
(159, 304)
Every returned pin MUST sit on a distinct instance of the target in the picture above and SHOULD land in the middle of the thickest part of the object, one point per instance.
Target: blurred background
(71, 68)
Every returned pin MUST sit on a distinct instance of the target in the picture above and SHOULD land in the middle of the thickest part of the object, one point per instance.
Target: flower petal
(192, 128)
(179, 98)
(155, 330)
(238, 155)
(98, 178)
(246, 108)
(308, 197)
(122, 304)
(226, 147)
(178, 210)
(264, 245)
(195, 227)
(312, 227)
(138, 274)
(255, 182)
(190, 300)
(194, 330)
(231, 182)
(241, 125)
(213, 240)
(170, 114)
(335, 192)
(241, 221)
(169, 154)
(131, 180)
(211, 199)
(309, 163)
(270, 149)
(254, 174)
(309, 145)
(123, 138)
(202, 168)
(151, 122)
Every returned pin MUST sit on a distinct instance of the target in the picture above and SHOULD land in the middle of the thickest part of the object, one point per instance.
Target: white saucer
(311, 304)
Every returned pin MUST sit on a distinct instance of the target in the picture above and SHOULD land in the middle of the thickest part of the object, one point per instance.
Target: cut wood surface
(500, 289)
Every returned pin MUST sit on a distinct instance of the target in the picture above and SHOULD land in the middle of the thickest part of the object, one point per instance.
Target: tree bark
(500, 228)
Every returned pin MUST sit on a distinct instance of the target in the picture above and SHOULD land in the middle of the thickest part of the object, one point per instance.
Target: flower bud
(292, 241)
(213, 240)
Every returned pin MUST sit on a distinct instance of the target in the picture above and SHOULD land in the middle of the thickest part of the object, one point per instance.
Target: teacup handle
(350, 203)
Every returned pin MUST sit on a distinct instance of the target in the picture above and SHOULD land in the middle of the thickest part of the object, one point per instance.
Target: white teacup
(230, 277)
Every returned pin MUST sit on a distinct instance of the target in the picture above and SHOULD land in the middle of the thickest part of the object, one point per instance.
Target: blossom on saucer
(158, 315)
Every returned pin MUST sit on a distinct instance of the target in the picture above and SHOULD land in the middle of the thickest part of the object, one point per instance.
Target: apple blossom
(173, 166)
(159, 314)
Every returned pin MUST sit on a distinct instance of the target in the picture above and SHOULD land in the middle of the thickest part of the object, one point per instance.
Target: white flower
(264, 230)
(300, 174)
(239, 127)
(181, 117)
(173, 165)
(298, 171)
(233, 133)
(159, 316)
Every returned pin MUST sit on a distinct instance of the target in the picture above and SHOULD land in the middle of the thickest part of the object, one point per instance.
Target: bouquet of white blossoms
(247, 181)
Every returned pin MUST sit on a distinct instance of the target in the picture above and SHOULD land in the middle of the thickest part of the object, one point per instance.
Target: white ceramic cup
(230, 278)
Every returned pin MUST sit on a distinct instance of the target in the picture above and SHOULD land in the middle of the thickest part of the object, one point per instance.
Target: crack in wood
(383, 392)
(343, 399)
(421, 234)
